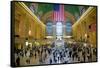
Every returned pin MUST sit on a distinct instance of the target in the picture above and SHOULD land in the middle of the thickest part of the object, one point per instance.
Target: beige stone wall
(27, 25)
(81, 27)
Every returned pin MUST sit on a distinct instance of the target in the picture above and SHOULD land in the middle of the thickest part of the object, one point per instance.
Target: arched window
(49, 28)
(68, 27)
(59, 28)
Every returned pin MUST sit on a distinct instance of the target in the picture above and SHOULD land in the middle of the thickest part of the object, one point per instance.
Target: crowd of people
(71, 53)
(32, 56)
(46, 54)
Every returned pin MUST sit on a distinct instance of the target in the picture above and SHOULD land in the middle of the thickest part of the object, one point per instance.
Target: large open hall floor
(53, 54)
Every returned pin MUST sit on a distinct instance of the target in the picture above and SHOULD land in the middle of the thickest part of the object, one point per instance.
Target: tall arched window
(59, 28)
(49, 28)
(68, 28)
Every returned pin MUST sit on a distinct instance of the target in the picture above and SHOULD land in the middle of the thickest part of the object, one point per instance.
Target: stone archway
(49, 16)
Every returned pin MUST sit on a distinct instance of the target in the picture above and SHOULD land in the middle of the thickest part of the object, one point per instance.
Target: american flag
(58, 13)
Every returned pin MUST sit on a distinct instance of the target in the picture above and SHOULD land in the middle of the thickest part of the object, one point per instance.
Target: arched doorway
(49, 15)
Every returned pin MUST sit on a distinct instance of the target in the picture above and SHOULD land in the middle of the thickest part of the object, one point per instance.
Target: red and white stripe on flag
(59, 15)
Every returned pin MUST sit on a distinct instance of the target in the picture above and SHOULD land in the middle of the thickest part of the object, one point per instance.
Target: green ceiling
(49, 7)
(44, 8)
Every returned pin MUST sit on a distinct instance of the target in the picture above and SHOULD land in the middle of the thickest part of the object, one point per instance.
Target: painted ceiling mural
(41, 9)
